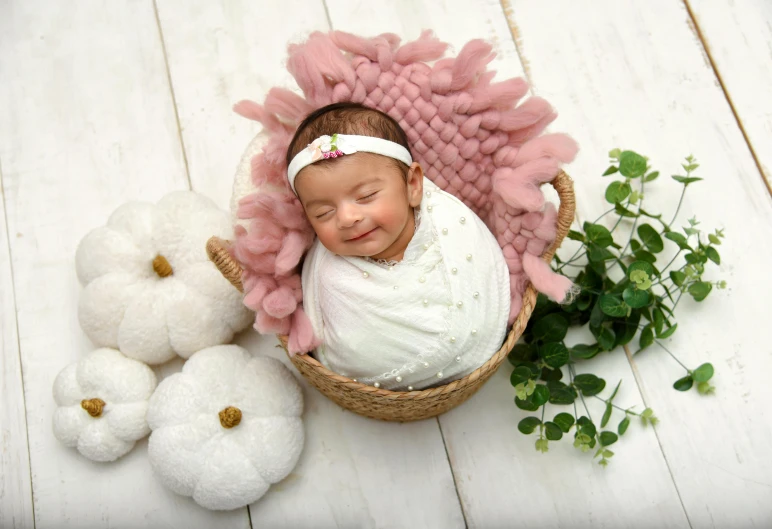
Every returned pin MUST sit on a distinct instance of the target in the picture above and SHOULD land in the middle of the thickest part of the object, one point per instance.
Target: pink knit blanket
(468, 133)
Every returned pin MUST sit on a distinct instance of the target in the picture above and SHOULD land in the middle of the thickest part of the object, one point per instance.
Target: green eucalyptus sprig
(623, 295)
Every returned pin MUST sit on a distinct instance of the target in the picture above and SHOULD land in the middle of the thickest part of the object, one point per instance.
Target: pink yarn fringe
(469, 134)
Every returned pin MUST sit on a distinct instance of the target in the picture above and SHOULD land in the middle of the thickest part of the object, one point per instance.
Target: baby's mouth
(358, 237)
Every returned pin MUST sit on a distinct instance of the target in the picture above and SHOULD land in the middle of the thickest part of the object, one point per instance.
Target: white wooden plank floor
(103, 103)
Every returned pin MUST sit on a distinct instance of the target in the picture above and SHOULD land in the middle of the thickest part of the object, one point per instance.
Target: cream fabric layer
(434, 317)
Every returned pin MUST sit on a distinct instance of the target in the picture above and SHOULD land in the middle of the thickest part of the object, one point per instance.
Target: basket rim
(218, 251)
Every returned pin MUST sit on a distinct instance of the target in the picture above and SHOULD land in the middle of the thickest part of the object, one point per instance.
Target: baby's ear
(415, 184)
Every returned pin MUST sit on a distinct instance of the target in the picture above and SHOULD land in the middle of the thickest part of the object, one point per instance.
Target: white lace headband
(340, 144)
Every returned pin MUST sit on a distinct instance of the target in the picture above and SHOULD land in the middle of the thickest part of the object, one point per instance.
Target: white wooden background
(103, 102)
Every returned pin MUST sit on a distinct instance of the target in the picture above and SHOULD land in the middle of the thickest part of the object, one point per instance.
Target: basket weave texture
(409, 405)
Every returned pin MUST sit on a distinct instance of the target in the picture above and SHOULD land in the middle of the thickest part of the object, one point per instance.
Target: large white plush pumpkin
(103, 401)
(226, 427)
(150, 289)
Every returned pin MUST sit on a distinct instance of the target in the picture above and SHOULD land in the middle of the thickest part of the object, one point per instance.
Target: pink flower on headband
(326, 147)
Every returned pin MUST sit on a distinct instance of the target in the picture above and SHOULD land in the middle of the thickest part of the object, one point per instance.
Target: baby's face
(361, 205)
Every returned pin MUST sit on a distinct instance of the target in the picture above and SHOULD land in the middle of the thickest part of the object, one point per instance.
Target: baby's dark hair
(347, 118)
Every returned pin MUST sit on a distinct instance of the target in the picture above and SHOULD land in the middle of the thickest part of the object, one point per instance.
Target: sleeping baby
(405, 286)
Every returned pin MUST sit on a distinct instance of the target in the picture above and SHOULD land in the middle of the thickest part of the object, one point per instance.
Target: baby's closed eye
(368, 196)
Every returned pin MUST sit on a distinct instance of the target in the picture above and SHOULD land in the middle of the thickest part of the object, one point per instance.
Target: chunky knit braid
(468, 133)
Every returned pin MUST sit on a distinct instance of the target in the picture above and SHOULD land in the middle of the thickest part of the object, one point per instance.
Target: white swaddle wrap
(433, 317)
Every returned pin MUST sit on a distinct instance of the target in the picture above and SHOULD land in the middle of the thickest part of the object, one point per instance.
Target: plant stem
(672, 355)
(680, 202)
(671, 261)
(617, 407)
(632, 230)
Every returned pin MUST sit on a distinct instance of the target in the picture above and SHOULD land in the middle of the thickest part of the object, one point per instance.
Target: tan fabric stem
(230, 417)
(93, 406)
(162, 266)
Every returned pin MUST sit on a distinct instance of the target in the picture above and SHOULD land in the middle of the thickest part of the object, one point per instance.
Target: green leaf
(526, 404)
(561, 393)
(635, 298)
(575, 236)
(668, 332)
(650, 238)
(608, 438)
(686, 180)
(520, 375)
(584, 301)
(714, 240)
(584, 351)
(635, 245)
(586, 427)
(597, 254)
(528, 425)
(564, 421)
(640, 265)
(605, 336)
(712, 254)
(552, 431)
(521, 352)
(540, 395)
(623, 211)
(651, 176)
(617, 191)
(700, 290)
(548, 374)
(550, 328)
(678, 277)
(613, 305)
(614, 154)
(647, 338)
(554, 354)
(684, 384)
(631, 164)
(643, 255)
(625, 330)
(611, 170)
(542, 445)
(589, 384)
(533, 368)
(704, 388)
(679, 239)
(622, 428)
(598, 234)
(659, 321)
(606, 415)
(703, 373)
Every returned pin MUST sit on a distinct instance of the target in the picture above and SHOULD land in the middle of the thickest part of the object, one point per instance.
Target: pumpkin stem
(162, 266)
(230, 417)
(93, 406)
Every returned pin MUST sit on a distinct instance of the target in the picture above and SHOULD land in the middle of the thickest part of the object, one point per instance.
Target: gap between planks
(18, 344)
(171, 93)
(695, 27)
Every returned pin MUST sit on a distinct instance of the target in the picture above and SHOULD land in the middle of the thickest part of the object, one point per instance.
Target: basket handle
(219, 252)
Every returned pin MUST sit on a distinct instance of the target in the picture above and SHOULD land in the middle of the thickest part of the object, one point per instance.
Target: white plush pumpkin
(103, 401)
(226, 427)
(150, 290)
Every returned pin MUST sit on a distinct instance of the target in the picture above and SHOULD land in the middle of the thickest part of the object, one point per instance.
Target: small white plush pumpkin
(103, 401)
(226, 427)
(150, 290)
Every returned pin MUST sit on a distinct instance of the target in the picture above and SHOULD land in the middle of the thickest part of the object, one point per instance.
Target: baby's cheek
(392, 217)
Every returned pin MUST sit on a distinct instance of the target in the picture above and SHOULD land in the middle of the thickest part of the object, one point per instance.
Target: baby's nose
(348, 216)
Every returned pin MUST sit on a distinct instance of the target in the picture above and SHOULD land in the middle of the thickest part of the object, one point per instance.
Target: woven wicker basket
(409, 405)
